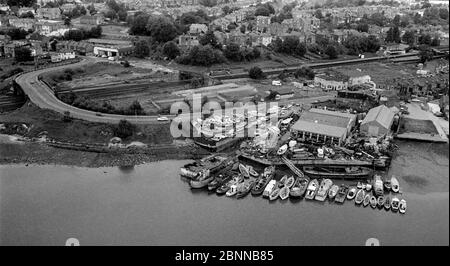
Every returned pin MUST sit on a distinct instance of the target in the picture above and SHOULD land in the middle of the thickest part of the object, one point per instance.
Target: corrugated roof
(316, 128)
(381, 114)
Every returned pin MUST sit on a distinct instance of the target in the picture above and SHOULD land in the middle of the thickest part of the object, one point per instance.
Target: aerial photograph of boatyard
(224, 123)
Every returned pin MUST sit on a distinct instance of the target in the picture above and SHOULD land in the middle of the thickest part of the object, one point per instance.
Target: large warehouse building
(324, 126)
(377, 122)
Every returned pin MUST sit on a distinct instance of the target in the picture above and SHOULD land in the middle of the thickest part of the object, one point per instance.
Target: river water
(151, 205)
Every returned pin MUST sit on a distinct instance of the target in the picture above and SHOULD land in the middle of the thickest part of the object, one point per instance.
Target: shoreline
(13, 151)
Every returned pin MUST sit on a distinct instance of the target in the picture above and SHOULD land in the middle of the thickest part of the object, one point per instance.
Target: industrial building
(377, 122)
(324, 126)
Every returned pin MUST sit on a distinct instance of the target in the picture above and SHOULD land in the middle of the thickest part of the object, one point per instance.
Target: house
(80, 48)
(9, 49)
(262, 23)
(48, 13)
(377, 122)
(22, 23)
(62, 56)
(4, 21)
(4, 39)
(4, 8)
(186, 41)
(396, 49)
(277, 29)
(198, 28)
(25, 10)
(51, 28)
(331, 80)
(94, 20)
(323, 126)
(67, 8)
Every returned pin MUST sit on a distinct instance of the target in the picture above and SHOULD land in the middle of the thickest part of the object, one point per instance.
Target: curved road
(41, 95)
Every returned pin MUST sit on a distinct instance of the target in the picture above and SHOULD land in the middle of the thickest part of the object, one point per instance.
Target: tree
(443, 13)
(17, 34)
(138, 24)
(28, 14)
(393, 35)
(242, 28)
(111, 14)
(305, 72)
(208, 3)
(161, 29)
(362, 27)
(202, 56)
(425, 53)
(136, 108)
(67, 21)
(226, 10)
(425, 39)
(141, 49)
(332, 52)
(91, 9)
(300, 50)
(435, 41)
(209, 39)
(124, 129)
(262, 11)
(409, 37)
(233, 52)
(171, 50)
(22, 54)
(256, 73)
(19, 3)
(122, 15)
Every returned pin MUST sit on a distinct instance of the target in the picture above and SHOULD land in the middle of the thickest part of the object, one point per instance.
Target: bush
(124, 129)
(256, 73)
(304, 72)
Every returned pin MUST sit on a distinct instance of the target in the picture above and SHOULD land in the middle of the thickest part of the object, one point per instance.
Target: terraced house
(48, 13)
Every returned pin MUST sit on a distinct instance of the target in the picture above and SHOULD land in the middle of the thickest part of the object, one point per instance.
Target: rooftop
(381, 114)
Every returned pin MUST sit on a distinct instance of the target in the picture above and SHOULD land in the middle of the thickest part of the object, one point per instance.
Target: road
(41, 95)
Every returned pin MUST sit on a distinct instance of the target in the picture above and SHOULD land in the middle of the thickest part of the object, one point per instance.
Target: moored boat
(323, 189)
(284, 192)
(387, 203)
(212, 164)
(333, 191)
(387, 185)
(378, 188)
(360, 196)
(245, 188)
(227, 185)
(368, 187)
(244, 170)
(299, 187)
(395, 185)
(342, 194)
(282, 181)
(312, 188)
(337, 172)
(351, 193)
(232, 191)
(290, 182)
(282, 149)
(218, 181)
(274, 194)
(263, 181)
(252, 171)
(402, 206)
(395, 204)
(201, 180)
(373, 201)
(380, 201)
(269, 188)
(366, 200)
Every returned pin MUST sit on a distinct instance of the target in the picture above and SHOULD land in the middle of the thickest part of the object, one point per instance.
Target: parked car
(162, 118)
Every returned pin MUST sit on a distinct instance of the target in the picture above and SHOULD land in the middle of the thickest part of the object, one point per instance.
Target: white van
(276, 83)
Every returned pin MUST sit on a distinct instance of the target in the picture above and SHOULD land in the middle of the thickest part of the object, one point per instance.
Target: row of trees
(357, 45)
(82, 34)
(202, 55)
(290, 45)
(15, 33)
